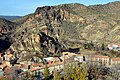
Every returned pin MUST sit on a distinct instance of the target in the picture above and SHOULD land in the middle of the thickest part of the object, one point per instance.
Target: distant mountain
(10, 17)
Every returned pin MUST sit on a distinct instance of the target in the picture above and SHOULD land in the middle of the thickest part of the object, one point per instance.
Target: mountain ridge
(52, 29)
(10, 17)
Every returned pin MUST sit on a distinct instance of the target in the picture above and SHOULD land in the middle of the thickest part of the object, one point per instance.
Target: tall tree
(46, 72)
(56, 75)
(80, 73)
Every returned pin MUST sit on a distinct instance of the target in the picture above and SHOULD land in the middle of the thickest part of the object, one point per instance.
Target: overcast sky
(24, 7)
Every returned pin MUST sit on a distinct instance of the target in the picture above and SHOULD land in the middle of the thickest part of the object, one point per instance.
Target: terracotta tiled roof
(100, 56)
(117, 44)
(35, 64)
(22, 66)
(110, 45)
(34, 69)
(55, 59)
(115, 59)
(69, 53)
(49, 65)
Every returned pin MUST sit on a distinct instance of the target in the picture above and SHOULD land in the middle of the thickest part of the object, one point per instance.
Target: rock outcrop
(52, 29)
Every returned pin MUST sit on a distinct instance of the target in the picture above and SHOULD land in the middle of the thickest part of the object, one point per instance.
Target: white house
(114, 47)
(79, 58)
(115, 61)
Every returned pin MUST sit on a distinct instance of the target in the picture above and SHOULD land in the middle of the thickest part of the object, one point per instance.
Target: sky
(24, 7)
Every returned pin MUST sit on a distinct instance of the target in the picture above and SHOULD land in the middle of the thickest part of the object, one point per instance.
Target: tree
(12, 73)
(113, 53)
(115, 71)
(76, 73)
(3, 78)
(88, 46)
(68, 70)
(73, 72)
(56, 75)
(96, 71)
(80, 73)
(46, 72)
(83, 71)
(103, 47)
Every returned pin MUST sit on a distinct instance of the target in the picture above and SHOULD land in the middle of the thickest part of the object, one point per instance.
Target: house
(51, 67)
(35, 65)
(56, 66)
(104, 60)
(79, 58)
(5, 63)
(70, 54)
(48, 59)
(8, 57)
(67, 55)
(6, 70)
(51, 60)
(115, 61)
(23, 67)
(114, 47)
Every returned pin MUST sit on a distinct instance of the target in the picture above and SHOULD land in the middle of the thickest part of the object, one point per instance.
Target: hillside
(5, 30)
(6, 26)
(52, 29)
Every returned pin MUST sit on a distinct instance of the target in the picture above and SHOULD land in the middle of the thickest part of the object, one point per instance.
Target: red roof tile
(35, 64)
(100, 56)
(22, 65)
(115, 59)
(6, 70)
(110, 45)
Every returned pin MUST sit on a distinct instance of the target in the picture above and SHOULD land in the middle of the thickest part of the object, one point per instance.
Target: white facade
(115, 61)
(79, 58)
(114, 47)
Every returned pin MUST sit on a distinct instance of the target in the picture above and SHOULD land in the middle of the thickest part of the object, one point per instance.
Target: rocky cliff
(52, 29)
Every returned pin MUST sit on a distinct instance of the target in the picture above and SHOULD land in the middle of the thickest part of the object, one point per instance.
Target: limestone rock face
(51, 29)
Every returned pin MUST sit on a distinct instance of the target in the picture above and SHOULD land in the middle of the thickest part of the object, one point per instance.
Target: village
(7, 65)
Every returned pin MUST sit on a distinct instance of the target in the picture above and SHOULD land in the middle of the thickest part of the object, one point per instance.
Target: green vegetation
(89, 71)
(113, 54)
(46, 73)
(3, 78)
(80, 73)
(56, 75)
(88, 46)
